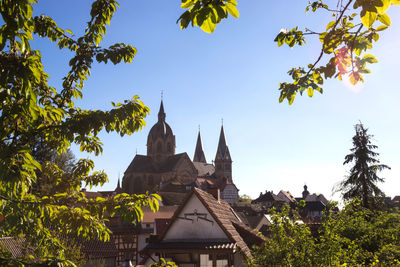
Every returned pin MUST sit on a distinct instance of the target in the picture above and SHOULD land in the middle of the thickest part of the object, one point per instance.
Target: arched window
(159, 147)
(169, 147)
(151, 181)
(138, 185)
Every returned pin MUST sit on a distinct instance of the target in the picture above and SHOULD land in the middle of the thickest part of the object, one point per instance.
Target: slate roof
(204, 169)
(198, 152)
(286, 194)
(268, 196)
(171, 162)
(316, 198)
(224, 215)
(172, 198)
(141, 163)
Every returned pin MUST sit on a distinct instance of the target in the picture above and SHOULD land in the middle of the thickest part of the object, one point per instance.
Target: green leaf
(370, 58)
(383, 6)
(232, 10)
(208, 26)
(188, 3)
(381, 28)
(330, 24)
(310, 92)
(385, 19)
(368, 17)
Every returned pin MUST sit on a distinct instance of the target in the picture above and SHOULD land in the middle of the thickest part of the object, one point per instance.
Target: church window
(137, 185)
(169, 147)
(151, 181)
(227, 167)
(159, 147)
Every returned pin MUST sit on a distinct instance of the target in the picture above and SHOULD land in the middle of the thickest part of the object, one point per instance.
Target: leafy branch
(338, 40)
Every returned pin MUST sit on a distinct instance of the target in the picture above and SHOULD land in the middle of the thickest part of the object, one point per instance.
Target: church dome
(160, 129)
(161, 140)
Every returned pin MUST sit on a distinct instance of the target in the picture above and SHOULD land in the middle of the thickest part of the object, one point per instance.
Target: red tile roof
(223, 214)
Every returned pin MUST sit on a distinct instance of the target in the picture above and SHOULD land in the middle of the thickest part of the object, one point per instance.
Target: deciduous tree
(32, 110)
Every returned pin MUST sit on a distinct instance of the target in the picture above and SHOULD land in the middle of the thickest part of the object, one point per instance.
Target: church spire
(222, 149)
(223, 161)
(199, 153)
(161, 113)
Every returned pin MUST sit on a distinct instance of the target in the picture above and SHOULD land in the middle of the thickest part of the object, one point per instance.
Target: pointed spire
(161, 113)
(118, 184)
(199, 153)
(118, 190)
(222, 143)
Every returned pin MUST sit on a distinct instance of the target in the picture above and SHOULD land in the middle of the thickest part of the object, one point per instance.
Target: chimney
(214, 192)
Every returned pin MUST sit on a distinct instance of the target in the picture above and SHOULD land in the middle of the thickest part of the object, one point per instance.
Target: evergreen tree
(361, 182)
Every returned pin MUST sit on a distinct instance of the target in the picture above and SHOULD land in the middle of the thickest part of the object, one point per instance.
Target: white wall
(198, 229)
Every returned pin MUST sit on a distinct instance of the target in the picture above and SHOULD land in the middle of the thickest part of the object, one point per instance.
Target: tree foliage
(32, 110)
(206, 13)
(345, 41)
(362, 179)
(357, 236)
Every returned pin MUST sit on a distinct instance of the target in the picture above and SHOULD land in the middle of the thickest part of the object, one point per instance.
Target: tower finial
(199, 127)
(162, 95)
(222, 121)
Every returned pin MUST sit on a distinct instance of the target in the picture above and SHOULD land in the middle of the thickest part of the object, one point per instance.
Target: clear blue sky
(234, 74)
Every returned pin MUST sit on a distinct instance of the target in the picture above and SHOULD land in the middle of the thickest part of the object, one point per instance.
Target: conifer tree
(362, 179)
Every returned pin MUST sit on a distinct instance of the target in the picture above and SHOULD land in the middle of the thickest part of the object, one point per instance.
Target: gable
(185, 164)
(194, 222)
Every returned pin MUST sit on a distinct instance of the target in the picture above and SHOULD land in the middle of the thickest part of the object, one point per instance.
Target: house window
(206, 260)
(222, 260)
(147, 225)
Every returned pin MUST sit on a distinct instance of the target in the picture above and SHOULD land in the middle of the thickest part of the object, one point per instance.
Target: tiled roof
(226, 219)
(164, 212)
(99, 249)
(204, 169)
(396, 198)
(15, 246)
(222, 213)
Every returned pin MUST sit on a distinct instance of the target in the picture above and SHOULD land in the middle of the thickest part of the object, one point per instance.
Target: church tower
(223, 161)
(161, 140)
(199, 153)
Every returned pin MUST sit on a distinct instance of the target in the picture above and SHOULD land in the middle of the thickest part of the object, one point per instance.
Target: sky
(234, 74)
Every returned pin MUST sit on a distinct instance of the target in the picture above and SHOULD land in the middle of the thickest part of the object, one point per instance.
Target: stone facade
(172, 175)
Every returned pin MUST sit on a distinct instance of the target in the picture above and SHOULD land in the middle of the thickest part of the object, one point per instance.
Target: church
(173, 175)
